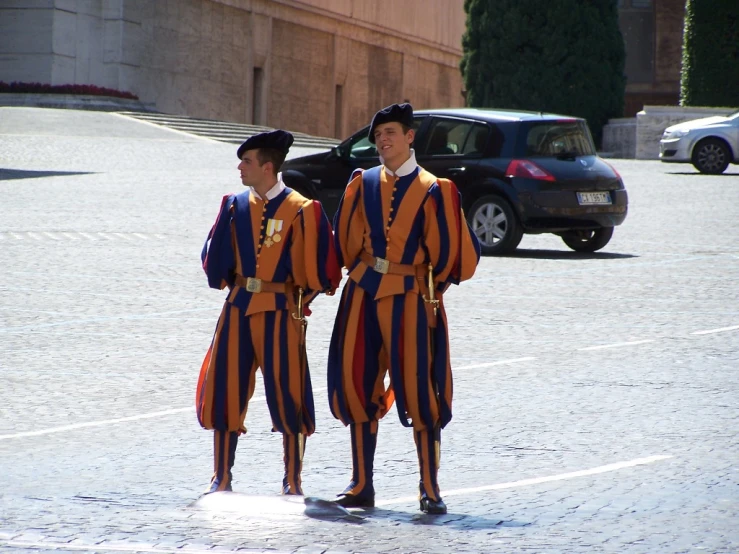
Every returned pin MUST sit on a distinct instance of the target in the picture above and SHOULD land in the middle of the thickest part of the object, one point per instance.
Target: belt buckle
(381, 265)
(253, 284)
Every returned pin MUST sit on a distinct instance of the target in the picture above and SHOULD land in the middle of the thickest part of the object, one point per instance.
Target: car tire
(711, 156)
(588, 241)
(495, 224)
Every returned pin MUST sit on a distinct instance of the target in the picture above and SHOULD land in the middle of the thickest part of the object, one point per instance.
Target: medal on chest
(274, 228)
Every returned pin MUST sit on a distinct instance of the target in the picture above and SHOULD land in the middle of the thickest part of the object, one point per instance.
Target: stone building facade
(318, 66)
(653, 36)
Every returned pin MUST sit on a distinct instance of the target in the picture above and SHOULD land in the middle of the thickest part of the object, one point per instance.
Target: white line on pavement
(721, 330)
(150, 415)
(93, 424)
(535, 480)
(617, 344)
(499, 362)
(139, 547)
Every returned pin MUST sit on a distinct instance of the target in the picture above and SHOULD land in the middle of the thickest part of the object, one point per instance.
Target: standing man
(273, 249)
(403, 238)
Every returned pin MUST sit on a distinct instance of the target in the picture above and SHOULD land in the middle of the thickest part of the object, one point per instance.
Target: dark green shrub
(710, 72)
(561, 56)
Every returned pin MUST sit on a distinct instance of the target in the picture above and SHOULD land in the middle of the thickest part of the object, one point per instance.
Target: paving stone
(105, 315)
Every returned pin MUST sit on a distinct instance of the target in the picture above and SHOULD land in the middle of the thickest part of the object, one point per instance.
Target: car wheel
(495, 225)
(588, 241)
(711, 156)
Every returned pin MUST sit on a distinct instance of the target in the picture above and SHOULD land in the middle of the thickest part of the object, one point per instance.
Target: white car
(710, 144)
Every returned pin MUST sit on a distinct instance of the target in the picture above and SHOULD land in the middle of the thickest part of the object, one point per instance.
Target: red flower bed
(38, 88)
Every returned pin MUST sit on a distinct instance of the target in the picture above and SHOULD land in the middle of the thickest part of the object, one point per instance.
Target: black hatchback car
(518, 172)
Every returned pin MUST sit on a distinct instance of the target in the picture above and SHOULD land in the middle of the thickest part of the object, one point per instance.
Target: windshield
(555, 138)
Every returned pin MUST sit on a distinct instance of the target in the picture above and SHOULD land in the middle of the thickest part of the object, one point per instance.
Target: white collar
(274, 191)
(408, 167)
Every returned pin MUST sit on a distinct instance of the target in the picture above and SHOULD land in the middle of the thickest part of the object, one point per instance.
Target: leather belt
(386, 267)
(252, 284)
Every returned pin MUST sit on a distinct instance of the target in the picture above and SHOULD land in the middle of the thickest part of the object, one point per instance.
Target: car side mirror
(334, 153)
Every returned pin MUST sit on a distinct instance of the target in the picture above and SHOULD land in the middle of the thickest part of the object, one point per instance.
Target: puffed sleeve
(314, 262)
(218, 254)
(453, 247)
(349, 222)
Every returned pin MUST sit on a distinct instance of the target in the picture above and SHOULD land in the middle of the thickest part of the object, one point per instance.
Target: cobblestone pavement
(596, 396)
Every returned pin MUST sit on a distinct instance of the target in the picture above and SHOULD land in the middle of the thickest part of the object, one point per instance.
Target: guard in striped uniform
(403, 237)
(273, 249)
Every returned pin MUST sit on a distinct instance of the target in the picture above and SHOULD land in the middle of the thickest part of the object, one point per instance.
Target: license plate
(590, 198)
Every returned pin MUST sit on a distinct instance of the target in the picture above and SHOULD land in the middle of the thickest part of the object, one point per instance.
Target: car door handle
(456, 169)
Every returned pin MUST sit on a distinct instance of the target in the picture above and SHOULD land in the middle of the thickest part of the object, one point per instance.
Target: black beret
(402, 113)
(277, 139)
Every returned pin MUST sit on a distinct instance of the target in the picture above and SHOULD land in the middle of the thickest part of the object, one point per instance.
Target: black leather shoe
(429, 506)
(352, 501)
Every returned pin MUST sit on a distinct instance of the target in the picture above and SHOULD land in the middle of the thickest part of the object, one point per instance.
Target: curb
(73, 102)
(222, 131)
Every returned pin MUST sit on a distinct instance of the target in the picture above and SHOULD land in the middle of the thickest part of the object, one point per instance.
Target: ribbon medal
(274, 226)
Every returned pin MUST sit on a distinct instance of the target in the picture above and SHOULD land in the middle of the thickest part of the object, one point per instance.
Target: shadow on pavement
(9, 174)
(456, 521)
(567, 255)
(696, 173)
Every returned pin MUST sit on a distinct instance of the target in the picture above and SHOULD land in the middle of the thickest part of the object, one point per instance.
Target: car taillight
(613, 168)
(529, 170)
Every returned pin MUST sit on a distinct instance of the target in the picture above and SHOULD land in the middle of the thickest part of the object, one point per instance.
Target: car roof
(494, 115)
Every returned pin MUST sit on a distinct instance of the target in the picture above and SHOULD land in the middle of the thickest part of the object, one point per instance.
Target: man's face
(391, 142)
(252, 174)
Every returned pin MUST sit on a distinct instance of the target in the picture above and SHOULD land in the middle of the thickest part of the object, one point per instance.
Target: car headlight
(674, 134)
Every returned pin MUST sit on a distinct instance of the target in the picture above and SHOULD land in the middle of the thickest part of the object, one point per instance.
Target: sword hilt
(299, 308)
(432, 293)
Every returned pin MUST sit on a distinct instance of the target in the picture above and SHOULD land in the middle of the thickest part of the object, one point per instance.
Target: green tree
(710, 73)
(561, 56)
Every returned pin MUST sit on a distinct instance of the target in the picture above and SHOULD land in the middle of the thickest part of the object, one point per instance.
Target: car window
(557, 137)
(476, 141)
(359, 145)
(446, 136)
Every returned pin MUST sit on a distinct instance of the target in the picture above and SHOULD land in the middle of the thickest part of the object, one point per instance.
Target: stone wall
(53, 41)
(639, 137)
(669, 22)
(317, 66)
(652, 121)
(663, 85)
(619, 138)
